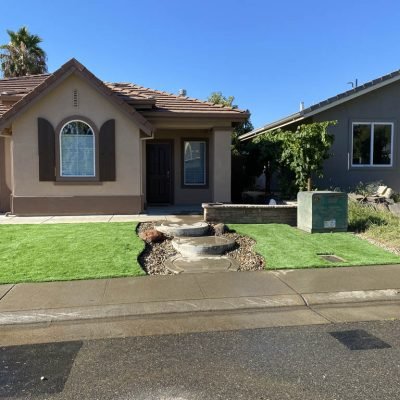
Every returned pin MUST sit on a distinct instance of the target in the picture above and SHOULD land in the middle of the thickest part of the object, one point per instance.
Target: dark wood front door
(159, 173)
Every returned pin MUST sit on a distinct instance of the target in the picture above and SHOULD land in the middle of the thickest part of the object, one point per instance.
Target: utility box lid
(322, 211)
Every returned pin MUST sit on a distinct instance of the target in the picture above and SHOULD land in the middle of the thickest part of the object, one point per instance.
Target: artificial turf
(283, 246)
(37, 253)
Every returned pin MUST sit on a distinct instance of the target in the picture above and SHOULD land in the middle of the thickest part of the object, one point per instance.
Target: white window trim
(94, 151)
(371, 164)
(205, 164)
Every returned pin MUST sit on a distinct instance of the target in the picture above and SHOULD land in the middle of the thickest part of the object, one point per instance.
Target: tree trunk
(268, 176)
(309, 184)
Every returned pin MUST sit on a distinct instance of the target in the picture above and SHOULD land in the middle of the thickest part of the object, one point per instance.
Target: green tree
(240, 129)
(219, 98)
(22, 55)
(263, 157)
(305, 150)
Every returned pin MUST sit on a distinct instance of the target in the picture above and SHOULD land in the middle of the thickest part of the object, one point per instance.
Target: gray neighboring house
(366, 146)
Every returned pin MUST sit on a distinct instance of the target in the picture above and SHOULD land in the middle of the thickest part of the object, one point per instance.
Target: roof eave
(293, 118)
(327, 104)
(236, 117)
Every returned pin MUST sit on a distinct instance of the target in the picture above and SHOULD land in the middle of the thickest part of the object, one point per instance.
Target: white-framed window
(77, 150)
(194, 163)
(372, 144)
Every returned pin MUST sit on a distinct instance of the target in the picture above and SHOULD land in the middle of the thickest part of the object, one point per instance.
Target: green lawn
(36, 253)
(283, 246)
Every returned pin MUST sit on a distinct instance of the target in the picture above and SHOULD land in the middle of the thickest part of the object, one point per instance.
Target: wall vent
(75, 98)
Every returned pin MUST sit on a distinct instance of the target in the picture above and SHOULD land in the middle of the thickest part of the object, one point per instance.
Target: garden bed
(156, 253)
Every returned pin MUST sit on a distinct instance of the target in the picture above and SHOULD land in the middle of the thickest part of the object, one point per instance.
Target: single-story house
(73, 144)
(366, 146)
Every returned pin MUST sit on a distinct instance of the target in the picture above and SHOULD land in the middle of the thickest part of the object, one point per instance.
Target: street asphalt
(358, 361)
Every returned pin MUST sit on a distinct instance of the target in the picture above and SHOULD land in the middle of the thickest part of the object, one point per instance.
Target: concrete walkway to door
(186, 214)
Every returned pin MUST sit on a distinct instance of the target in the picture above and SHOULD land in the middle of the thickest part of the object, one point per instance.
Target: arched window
(77, 150)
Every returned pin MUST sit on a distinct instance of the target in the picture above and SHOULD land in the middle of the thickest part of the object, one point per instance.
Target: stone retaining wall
(250, 213)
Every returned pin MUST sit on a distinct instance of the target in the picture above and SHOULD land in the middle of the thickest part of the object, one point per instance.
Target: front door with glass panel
(159, 173)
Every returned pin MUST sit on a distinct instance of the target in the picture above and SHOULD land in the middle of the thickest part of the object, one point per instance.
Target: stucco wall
(379, 105)
(56, 106)
(5, 174)
(222, 159)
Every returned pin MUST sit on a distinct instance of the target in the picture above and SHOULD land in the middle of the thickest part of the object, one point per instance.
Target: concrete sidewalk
(316, 290)
(186, 214)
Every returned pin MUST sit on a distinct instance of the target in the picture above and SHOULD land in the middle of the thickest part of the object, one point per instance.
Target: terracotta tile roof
(21, 85)
(3, 109)
(147, 101)
(169, 103)
(18, 88)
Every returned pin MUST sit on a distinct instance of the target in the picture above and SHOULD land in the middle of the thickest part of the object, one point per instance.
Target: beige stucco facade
(127, 194)
(57, 105)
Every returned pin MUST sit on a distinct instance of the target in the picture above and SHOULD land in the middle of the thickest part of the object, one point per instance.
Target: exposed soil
(153, 257)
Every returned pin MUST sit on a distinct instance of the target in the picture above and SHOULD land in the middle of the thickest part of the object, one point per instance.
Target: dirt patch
(153, 257)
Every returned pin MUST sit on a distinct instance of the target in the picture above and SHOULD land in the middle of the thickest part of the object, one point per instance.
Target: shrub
(364, 216)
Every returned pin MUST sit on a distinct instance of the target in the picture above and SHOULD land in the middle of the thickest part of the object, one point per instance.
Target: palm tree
(22, 55)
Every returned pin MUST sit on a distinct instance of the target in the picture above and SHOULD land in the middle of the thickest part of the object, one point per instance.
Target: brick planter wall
(250, 213)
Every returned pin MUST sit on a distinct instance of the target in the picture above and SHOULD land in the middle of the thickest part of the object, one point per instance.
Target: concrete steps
(198, 252)
(203, 245)
(179, 264)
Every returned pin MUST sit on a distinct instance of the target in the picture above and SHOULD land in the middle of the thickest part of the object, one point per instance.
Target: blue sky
(270, 55)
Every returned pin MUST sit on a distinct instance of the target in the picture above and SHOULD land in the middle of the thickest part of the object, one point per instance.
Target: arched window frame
(60, 127)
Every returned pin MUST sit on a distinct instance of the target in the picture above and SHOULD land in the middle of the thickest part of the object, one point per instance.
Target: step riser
(208, 245)
(195, 230)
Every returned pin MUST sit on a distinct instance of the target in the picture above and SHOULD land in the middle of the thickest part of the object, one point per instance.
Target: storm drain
(359, 340)
(331, 257)
(38, 369)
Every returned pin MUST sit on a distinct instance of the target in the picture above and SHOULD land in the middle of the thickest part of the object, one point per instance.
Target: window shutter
(107, 151)
(46, 145)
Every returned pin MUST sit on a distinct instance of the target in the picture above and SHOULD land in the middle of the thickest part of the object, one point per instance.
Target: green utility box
(322, 211)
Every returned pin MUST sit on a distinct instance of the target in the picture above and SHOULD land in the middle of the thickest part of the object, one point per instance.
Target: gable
(30, 95)
(74, 96)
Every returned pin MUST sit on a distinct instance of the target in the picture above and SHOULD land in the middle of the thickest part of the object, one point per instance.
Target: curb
(355, 296)
(145, 310)
(168, 308)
